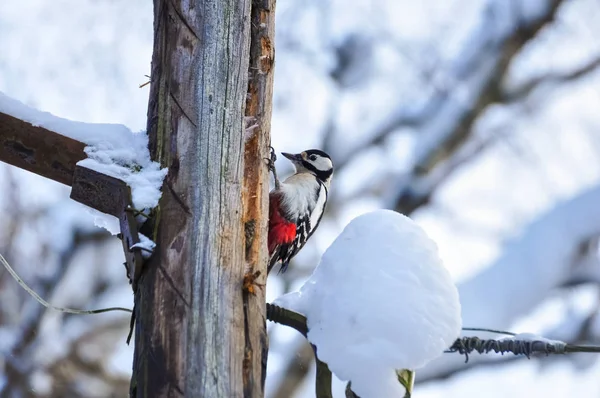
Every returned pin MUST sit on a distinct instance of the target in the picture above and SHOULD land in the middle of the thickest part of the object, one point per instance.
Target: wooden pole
(256, 188)
(199, 332)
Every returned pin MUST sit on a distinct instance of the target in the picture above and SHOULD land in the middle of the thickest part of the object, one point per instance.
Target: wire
(47, 304)
(489, 330)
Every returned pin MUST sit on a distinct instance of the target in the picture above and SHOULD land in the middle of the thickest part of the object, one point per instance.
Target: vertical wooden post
(256, 187)
(198, 332)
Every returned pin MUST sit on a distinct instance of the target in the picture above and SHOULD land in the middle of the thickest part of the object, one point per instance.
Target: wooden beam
(39, 150)
(55, 156)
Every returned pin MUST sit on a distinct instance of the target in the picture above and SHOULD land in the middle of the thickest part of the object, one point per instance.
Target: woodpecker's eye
(313, 157)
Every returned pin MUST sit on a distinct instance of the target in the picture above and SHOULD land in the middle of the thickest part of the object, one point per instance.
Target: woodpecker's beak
(294, 158)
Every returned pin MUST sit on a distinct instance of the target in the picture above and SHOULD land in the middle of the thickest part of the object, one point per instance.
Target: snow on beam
(52, 146)
(107, 166)
(39, 150)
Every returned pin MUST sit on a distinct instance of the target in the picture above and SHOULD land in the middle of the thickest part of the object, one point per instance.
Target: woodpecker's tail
(279, 254)
(273, 260)
(283, 267)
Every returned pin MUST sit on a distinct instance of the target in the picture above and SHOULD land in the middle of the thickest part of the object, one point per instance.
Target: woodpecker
(296, 205)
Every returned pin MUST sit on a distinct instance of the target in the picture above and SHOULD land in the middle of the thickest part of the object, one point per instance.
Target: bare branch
(295, 371)
(489, 92)
(323, 380)
(287, 317)
(298, 322)
(526, 89)
(18, 375)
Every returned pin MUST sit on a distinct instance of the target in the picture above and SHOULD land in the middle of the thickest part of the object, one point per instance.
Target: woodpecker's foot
(271, 165)
(249, 283)
(271, 159)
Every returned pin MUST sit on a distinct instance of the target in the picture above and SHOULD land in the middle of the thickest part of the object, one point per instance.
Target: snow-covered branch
(523, 344)
(370, 322)
(549, 249)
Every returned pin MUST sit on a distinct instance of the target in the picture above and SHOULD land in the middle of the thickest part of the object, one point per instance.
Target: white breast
(299, 195)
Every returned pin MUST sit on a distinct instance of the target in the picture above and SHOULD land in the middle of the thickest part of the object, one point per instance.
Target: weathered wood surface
(199, 333)
(256, 189)
(39, 150)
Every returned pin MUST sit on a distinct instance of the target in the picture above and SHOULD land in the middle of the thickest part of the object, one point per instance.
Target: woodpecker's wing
(308, 225)
(286, 236)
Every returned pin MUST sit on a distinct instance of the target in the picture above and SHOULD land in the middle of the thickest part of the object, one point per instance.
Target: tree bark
(200, 328)
(256, 191)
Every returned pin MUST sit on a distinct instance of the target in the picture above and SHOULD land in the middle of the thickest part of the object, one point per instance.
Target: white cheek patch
(322, 164)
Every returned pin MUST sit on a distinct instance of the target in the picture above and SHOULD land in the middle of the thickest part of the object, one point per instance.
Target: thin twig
(47, 304)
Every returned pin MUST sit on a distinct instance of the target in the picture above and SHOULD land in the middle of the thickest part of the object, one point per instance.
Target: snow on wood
(379, 300)
(112, 149)
(534, 337)
(146, 246)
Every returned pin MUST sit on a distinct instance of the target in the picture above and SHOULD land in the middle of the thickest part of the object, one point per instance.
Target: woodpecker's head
(312, 161)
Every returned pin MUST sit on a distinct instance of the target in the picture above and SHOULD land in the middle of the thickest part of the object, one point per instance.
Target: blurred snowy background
(478, 118)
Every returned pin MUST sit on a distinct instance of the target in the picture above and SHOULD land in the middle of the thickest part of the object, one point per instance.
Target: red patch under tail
(281, 231)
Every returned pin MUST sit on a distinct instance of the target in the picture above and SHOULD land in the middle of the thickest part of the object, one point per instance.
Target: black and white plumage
(296, 205)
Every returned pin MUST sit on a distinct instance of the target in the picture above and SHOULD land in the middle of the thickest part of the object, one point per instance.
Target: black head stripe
(317, 152)
(322, 175)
